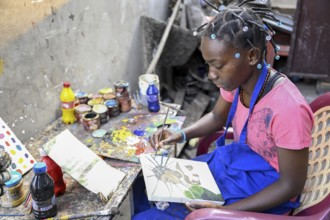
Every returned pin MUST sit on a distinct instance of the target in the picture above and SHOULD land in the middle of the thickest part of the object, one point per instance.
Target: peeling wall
(89, 43)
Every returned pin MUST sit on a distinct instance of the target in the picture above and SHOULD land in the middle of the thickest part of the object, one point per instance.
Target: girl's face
(225, 70)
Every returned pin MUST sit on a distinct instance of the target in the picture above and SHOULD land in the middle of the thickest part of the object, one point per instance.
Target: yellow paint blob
(13, 152)
(20, 160)
(121, 134)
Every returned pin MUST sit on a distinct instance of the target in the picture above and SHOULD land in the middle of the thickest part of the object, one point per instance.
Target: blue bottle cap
(39, 168)
(15, 178)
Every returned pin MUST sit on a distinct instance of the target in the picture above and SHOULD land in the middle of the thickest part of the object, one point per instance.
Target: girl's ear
(254, 56)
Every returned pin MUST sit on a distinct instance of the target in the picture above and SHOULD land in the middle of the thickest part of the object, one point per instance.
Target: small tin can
(14, 190)
(95, 101)
(105, 91)
(82, 97)
(113, 107)
(80, 110)
(94, 96)
(109, 96)
(91, 121)
(125, 104)
(102, 110)
(122, 88)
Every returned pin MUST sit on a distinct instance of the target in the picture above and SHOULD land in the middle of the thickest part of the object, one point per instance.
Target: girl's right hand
(168, 138)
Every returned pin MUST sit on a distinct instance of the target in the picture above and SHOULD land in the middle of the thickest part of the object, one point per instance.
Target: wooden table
(78, 201)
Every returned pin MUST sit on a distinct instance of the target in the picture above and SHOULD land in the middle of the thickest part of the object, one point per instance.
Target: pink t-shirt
(282, 118)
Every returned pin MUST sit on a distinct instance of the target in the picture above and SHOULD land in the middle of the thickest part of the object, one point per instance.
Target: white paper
(82, 164)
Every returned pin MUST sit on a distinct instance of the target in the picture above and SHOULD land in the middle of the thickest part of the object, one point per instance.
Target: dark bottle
(42, 191)
(152, 96)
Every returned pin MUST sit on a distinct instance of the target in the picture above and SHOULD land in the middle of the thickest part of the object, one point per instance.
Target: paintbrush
(161, 132)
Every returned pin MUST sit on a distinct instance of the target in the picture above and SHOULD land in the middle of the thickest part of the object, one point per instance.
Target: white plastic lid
(42, 152)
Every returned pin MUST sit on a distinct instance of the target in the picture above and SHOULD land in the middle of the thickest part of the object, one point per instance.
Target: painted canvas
(178, 180)
(83, 164)
(21, 160)
(128, 138)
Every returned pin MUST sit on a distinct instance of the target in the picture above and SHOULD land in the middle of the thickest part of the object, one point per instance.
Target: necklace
(241, 97)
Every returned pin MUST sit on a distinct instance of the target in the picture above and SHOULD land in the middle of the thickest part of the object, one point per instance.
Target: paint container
(91, 121)
(80, 110)
(122, 88)
(144, 84)
(94, 96)
(82, 97)
(14, 193)
(105, 91)
(102, 110)
(113, 107)
(125, 104)
(109, 96)
(95, 101)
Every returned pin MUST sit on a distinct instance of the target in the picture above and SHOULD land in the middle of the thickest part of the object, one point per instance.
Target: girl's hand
(167, 138)
(199, 205)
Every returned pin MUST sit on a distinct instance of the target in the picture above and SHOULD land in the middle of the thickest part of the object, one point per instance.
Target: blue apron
(238, 171)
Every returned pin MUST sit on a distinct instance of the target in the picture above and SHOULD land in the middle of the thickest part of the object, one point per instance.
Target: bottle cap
(15, 178)
(66, 84)
(39, 168)
(42, 152)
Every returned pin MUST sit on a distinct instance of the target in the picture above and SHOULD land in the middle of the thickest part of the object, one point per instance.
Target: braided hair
(241, 27)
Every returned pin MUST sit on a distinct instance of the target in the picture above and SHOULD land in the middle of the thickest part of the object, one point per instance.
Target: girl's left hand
(203, 204)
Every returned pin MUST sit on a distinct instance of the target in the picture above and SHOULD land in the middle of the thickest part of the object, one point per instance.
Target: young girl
(264, 169)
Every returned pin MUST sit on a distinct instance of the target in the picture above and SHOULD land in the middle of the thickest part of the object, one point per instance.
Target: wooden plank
(196, 109)
(179, 97)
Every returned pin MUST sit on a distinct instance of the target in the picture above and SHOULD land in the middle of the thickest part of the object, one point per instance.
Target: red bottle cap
(66, 84)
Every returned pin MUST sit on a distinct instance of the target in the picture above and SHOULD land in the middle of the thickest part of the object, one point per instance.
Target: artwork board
(178, 180)
(128, 139)
(83, 165)
(21, 160)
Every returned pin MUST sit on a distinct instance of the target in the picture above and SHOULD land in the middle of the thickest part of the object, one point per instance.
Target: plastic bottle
(67, 104)
(42, 191)
(153, 98)
(55, 171)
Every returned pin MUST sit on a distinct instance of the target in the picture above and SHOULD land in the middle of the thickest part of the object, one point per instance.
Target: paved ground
(307, 88)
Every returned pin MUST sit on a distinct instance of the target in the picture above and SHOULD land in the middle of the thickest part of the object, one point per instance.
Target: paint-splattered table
(78, 202)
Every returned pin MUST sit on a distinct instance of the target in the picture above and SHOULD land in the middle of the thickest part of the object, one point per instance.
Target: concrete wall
(90, 43)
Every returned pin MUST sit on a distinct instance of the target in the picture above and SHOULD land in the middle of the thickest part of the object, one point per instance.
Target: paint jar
(109, 96)
(95, 101)
(105, 91)
(82, 97)
(80, 110)
(91, 121)
(14, 193)
(94, 96)
(122, 88)
(113, 107)
(102, 110)
(125, 104)
(144, 84)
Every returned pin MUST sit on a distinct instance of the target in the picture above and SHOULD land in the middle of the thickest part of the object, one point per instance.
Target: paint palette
(128, 139)
(22, 160)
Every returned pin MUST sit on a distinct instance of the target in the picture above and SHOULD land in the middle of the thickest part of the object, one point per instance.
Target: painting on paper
(83, 164)
(21, 160)
(129, 138)
(178, 180)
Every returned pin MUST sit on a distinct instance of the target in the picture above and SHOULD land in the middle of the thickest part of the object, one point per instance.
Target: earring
(237, 55)
(213, 36)
(277, 57)
(259, 66)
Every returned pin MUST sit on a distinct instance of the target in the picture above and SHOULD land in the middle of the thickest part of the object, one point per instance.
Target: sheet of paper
(83, 164)
(22, 160)
(178, 180)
